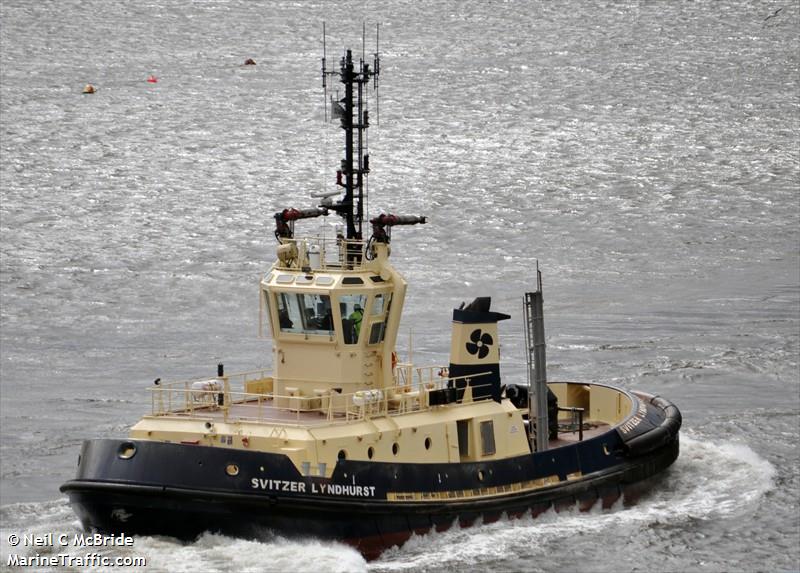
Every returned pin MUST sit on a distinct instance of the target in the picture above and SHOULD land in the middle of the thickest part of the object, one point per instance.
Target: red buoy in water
(152, 79)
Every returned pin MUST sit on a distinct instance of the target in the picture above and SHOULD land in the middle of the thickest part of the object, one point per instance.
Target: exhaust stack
(474, 349)
(537, 367)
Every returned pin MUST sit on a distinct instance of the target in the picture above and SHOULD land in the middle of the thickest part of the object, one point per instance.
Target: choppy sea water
(646, 154)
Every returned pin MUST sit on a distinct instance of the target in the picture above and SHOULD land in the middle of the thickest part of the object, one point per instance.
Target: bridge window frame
(304, 313)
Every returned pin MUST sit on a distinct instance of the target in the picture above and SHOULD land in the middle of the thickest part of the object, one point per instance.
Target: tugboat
(342, 441)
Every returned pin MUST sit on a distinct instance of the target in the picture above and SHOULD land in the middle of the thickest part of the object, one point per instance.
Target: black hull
(135, 506)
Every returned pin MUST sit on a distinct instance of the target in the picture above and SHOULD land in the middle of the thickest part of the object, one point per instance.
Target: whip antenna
(324, 76)
(376, 68)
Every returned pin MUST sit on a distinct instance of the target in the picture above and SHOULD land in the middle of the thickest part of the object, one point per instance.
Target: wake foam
(212, 552)
(708, 481)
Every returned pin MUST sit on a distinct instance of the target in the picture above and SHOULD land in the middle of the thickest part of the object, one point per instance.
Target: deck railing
(414, 377)
(214, 398)
(321, 253)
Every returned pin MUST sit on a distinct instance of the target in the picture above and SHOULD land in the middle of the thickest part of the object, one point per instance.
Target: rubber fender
(660, 436)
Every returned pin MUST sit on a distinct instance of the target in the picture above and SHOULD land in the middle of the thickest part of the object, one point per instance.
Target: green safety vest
(356, 317)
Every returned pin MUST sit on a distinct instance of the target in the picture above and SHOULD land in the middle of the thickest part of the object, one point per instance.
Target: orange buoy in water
(151, 79)
(88, 89)
(249, 62)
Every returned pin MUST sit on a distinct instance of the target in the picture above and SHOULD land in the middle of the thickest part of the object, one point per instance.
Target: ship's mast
(352, 175)
(354, 119)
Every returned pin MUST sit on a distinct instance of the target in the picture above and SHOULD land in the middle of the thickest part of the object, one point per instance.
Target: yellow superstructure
(337, 390)
(334, 322)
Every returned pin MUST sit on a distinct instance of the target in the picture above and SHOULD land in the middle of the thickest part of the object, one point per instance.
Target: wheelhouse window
(377, 305)
(305, 313)
(376, 332)
(351, 308)
(380, 305)
(263, 311)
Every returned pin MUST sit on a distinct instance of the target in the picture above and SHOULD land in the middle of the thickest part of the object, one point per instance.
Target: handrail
(213, 396)
(245, 376)
(574, 410)
(333, 253)
(405, 372)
